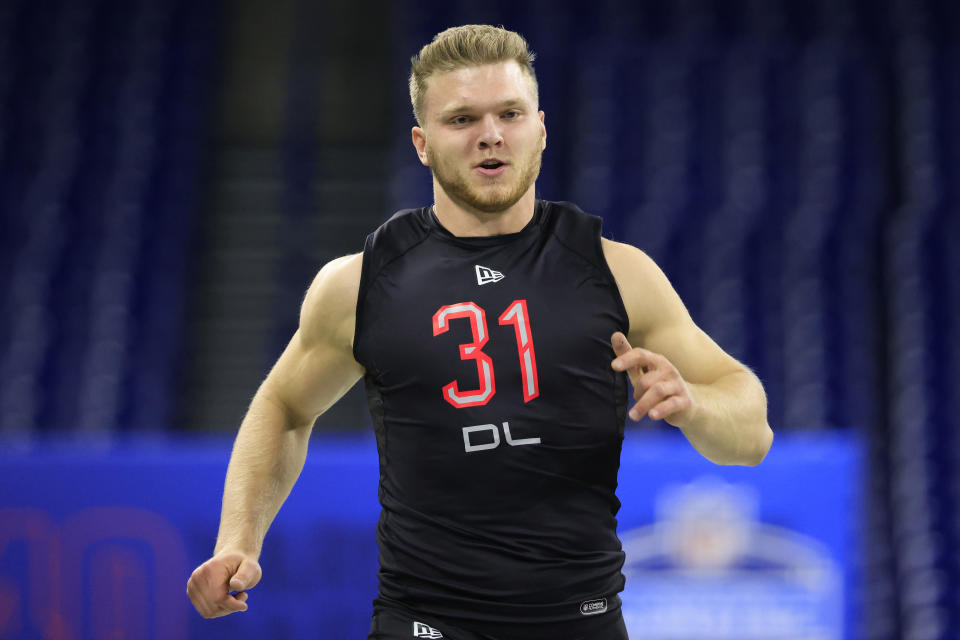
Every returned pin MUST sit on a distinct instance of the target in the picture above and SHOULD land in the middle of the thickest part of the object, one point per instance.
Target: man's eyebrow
(512, 102)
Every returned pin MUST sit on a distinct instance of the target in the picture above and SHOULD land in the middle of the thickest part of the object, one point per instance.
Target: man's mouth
(491, 167)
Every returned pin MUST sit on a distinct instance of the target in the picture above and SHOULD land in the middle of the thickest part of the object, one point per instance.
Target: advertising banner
(99, 542)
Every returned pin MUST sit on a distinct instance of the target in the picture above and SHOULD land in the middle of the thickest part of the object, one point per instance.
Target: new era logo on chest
(486, 275)
(421, 630)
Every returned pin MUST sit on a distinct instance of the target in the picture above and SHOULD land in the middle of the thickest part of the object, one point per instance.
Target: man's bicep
(672, 332)
(660, 322)
(309, 378)
(317, 367)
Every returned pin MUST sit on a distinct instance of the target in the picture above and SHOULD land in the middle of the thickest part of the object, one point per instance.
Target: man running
(494, 332)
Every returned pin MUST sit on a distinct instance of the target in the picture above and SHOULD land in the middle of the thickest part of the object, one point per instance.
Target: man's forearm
(729, 425)
(267, 459)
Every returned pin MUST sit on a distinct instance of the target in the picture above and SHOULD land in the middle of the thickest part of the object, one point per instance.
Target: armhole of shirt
(365, 268)
(620, 389)
(602, 258)
(581, 233)
(391, 241)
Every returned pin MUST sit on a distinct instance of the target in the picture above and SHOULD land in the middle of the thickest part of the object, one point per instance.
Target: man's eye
(511, 114)
(460, 120)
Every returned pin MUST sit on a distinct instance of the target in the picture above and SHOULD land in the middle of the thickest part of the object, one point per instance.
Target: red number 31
(515, 314)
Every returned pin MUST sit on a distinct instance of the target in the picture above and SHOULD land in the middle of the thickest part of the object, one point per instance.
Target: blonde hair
(468, 45)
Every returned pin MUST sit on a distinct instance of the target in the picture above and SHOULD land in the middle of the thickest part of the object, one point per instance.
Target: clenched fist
(211, 583)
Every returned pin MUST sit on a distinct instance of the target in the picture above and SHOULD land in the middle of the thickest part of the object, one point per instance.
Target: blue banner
(99, 542)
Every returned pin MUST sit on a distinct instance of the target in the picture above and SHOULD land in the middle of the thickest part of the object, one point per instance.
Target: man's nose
(490, 133)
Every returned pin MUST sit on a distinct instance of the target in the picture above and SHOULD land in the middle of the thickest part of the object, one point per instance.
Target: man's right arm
(315, 370)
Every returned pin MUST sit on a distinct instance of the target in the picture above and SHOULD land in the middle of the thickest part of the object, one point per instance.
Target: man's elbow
(764, 440)
(762, 449)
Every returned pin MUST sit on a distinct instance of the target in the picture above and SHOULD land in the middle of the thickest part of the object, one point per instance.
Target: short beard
(459, 190)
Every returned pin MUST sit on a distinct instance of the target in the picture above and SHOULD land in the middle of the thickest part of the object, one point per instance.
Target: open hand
(659, 389)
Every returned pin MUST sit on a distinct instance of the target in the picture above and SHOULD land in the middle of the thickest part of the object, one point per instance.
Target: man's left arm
(679, 373)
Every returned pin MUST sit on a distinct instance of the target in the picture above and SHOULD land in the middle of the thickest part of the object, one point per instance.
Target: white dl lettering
(469, 447)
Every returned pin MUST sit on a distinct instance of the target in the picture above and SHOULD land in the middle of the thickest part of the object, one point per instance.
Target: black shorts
(395, 623)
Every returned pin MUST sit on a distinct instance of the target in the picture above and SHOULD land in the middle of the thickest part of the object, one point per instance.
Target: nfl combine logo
(486, 274)
(593, 607)
(421, 630)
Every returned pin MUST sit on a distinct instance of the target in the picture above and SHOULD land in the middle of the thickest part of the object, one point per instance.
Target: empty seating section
(99, 132)
(793, 166)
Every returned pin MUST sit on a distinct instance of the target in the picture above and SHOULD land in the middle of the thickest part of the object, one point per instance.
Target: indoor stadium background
(174, 172)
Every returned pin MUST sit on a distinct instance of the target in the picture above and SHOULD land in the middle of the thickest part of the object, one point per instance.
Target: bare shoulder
(647, 294)
(623, 255)
(330, 305)
(317, 367)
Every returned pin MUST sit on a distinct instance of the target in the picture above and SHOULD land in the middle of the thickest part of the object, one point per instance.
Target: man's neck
(461, 220)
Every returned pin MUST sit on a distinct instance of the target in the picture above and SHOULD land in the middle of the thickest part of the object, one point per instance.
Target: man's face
(478, 114)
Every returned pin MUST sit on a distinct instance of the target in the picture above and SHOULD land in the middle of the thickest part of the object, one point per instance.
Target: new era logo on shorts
(486, 274)
(421, 630)
(592, 607)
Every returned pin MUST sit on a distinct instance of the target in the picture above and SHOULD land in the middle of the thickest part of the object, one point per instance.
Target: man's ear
(419, 137)
(543, 141)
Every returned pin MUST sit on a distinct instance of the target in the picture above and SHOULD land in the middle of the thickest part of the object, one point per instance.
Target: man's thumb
(246, 577)
(620, 343)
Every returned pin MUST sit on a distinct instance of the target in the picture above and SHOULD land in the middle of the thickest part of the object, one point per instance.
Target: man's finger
(621, 347)
(656, 394)
(667, 408)
(620, 343)
(644, 382)
(635, 357)
(202, 590)
(247, 576)
(232, 605)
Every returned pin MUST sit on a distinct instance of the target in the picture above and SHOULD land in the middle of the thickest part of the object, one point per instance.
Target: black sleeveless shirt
(498, 417)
